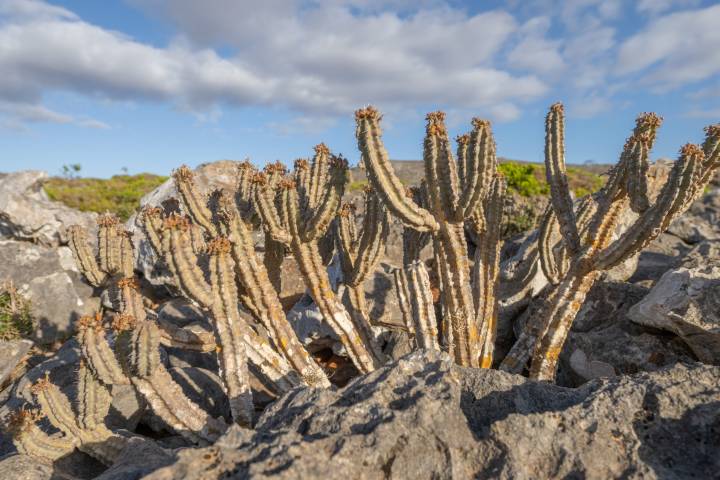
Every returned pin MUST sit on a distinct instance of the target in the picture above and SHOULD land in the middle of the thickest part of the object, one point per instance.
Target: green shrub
(15, 318)
(120, 194)
(584, 182)
(356, 185)
(524, 178)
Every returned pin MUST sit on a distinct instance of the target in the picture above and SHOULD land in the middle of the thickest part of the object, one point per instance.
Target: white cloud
(319, 58)
(14, 115)
(675, 49)
(535, 52)
(324, 58)
(35, 9)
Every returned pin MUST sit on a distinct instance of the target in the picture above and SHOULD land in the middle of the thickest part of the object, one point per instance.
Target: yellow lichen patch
(486, 361)
(553, 353)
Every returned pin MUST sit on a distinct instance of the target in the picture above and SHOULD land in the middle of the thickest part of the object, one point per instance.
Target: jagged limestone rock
(423, 417)
(686, 302)
(57, 295)
(27, 214)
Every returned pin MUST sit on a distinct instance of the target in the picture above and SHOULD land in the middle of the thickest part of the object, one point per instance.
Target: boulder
(51, 283)
(11, 354)
(26, 212)
(424, 417)
(701, 221)
(686, 302)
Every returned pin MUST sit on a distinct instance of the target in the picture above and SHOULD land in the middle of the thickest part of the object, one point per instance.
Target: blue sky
(152, 84)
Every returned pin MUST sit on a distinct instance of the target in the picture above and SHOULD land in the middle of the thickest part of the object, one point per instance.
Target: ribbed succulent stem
(356, 304)
(253, 275)
(456, 192)
(557, 178)
(29, 439)
(186, 338)
(94, 399)
(413, 279)
(382, 175)
(97, 353)
(168, 402)
(486, 271)
(316, 279)
(109, 240)
(556, 307)
(98, 441)
(273, 260)
(232, 357)
(193, 200)
(84, 256)
(183, 261)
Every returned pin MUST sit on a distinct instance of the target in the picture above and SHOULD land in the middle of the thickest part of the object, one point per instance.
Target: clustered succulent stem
(456, 192)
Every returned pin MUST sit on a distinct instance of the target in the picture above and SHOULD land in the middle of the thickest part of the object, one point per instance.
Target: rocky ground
(638, 392)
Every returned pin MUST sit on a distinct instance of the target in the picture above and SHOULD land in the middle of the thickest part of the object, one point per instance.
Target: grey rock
(137, 459)
(26, 212)
(664, 253)
(685, 302)
(127, 408)
(604, 342)
(181, 312)
(701, 221)
(58, 296)
(310, 327)
(11, 353)
(589, 369)
(424, 417)
(25, 467)
(703, 254)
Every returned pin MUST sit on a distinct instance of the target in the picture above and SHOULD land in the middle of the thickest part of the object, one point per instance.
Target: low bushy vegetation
(528, 180)
(15, 318)
(120, 194)
(524, 178)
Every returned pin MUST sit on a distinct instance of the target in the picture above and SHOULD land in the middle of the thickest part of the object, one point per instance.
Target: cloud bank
(326, 58)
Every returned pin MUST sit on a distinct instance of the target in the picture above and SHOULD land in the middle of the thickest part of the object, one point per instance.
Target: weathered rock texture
(686, 302)
(423, 417)
(26, 212)
(11, 353)
(47, 277)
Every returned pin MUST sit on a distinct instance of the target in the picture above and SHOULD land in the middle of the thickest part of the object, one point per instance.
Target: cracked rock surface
(423, 417)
